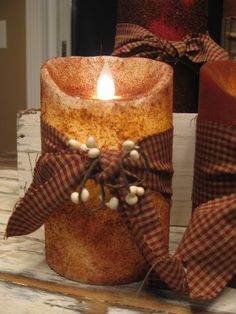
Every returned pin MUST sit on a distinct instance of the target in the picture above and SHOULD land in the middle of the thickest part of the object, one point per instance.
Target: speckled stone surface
(99, 248)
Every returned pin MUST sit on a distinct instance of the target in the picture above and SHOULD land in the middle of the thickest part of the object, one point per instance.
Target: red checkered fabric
(158, 148)
(134, 40)
(205, 260)
(148, 233)
(208, 247)
(206, 257)
(215, 161)
(60, 170)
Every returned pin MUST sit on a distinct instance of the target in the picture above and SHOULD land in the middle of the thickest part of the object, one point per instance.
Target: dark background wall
(215, 14)
(93, 26)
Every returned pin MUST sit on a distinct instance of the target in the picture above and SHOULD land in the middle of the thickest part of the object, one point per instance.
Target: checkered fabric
(215, 161)
(148, 234)
(204, 261)
(60, 170)
(134, 40)
(208, 247)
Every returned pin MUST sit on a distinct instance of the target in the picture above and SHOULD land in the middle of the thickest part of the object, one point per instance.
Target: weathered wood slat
(8, 174)
(9, 186)
(100, 302)
(22, 300)
(29, 145)
(148, 302)
(7, 203)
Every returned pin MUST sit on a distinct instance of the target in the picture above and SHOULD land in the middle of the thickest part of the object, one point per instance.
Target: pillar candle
(217, 95)
(98, 248)
(217, 104)
(217, 99)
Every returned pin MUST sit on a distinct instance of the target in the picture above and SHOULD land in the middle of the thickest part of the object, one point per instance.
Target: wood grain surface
(28, 285)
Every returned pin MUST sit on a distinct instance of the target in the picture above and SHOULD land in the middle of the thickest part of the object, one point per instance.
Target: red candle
(217, 95)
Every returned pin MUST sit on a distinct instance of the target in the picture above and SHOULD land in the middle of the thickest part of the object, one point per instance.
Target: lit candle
(99, 248)
(106, 85)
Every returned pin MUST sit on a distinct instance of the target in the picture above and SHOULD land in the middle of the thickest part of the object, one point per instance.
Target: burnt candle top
(133, 77)
(68, 87)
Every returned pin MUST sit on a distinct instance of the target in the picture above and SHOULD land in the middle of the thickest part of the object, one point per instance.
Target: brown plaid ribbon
(205, 259)
(215, 161)
(208, 247)
(134, 40)
(60, 170)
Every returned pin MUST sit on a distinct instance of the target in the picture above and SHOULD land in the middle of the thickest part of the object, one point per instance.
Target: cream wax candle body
(98, 248)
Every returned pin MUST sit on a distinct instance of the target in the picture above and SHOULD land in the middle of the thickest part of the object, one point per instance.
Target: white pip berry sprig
(134, 190)
(130, 148)
(90, 147)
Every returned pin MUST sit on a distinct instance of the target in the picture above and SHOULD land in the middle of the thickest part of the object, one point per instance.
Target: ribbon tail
(208, 247)
(148, 233)
(204, 261)
(42, 199)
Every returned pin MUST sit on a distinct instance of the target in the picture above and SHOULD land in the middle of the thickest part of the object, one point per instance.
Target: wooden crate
(29, 148)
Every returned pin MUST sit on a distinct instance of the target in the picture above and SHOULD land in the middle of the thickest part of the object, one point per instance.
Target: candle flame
(105, 86)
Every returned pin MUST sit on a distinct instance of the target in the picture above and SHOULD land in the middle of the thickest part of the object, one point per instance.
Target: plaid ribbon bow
(134, 40)
(61, 169)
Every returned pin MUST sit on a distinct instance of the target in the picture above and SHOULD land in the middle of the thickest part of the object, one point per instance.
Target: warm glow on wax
(105, 86)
